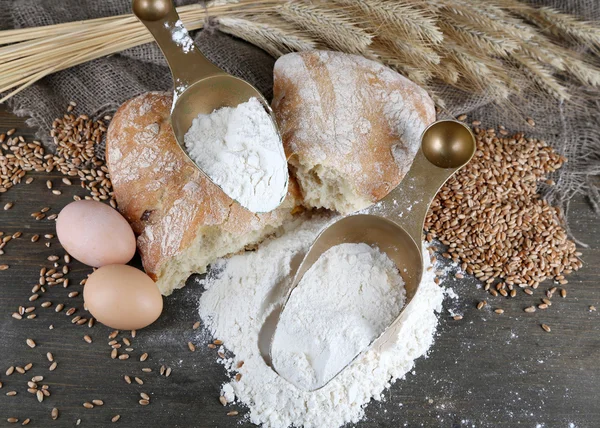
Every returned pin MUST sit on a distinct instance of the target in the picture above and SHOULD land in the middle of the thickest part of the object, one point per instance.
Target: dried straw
(491, 46)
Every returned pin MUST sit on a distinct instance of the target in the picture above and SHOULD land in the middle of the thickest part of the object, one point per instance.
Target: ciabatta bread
(183, 221)
(350, 126)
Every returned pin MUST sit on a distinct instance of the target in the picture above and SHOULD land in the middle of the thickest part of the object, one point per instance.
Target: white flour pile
(343, 302)
(233, 307)
(239, 149)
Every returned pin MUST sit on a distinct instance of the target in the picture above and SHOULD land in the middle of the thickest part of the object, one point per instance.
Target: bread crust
(167, 201)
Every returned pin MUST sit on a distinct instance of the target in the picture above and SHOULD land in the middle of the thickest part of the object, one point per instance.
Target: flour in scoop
(240, 150)
(343, 302)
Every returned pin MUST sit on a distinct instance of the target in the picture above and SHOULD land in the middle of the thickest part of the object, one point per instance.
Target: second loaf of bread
(350, 126)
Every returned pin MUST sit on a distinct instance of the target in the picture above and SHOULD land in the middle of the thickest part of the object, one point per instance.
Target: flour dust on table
(240, 150)
(342, 303)
(242, 291)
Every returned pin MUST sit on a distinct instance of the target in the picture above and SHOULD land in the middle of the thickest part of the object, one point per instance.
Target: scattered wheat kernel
(144, 402)
(98, 402)
(233, 413)
(30, 343)
(138, 380)
(546, 327)
(457, 317)
(196, 325)
(115, 418)
(223, 400)
(54, 414)
(88, 405)
(499, 311)
(191, 346)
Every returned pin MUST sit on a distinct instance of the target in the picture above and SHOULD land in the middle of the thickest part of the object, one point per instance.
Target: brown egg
(95, 234)
(122, 297)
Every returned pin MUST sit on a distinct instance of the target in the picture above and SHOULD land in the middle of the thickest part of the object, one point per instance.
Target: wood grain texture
(486, 370)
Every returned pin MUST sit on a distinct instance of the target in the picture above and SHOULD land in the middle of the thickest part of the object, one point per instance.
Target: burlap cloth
(100, 86)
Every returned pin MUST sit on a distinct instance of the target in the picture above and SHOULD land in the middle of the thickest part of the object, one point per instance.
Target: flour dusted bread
(183, 221)
(350, 126)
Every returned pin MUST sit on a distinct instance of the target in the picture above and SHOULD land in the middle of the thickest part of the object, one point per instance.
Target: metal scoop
(394, 225)
(199, 85)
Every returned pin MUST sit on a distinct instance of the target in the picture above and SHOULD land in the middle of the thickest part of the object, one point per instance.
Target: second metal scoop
(395, 224)
(200, 87)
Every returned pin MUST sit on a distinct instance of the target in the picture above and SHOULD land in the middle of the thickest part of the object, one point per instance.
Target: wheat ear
(405, 20)
(329, 24)
(270, 33)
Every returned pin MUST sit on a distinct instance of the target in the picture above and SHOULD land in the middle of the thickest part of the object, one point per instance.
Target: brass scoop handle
(446, 147)
(188, 65)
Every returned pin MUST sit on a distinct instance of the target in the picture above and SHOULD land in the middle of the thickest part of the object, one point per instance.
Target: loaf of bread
(350, 126)
(183, 221)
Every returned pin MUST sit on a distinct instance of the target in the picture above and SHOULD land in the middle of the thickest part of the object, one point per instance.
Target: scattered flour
(240, 150)
(343, 302)
(233, 308)
(180, 36)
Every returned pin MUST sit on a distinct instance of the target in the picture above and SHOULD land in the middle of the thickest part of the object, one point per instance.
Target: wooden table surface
(486, 370)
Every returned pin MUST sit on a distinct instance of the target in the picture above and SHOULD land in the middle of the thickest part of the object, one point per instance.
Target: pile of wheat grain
(493, 221)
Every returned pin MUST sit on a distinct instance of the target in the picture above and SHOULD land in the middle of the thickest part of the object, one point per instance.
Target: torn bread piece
(350, 126)
(183, 221)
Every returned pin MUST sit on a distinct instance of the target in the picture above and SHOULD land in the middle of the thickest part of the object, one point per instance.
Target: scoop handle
(446, 146)
(187, 63)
